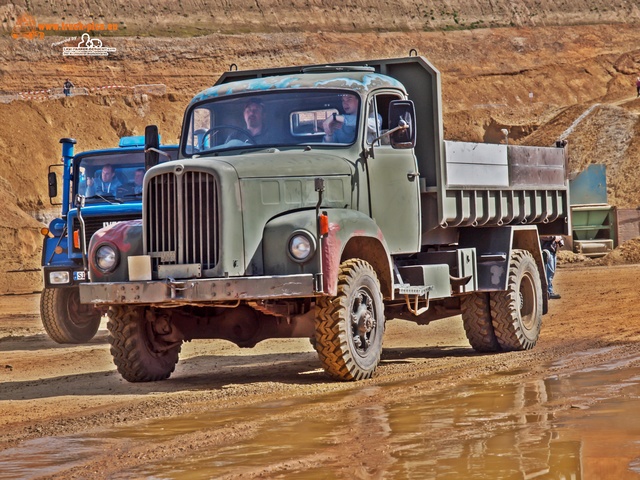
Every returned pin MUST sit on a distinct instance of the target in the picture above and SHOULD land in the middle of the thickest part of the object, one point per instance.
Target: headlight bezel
(298, 238)
(97, 258)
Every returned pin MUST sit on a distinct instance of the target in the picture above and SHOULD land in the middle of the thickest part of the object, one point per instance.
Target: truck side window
(378, 113)
(374, 121)
(200, 124)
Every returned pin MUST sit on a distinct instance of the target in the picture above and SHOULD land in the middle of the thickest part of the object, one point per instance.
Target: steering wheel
(214, 130)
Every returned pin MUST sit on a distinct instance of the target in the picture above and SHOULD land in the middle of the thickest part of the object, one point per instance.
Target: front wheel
(65, 319)
(136, 349)
(350, 326)
(516, 313)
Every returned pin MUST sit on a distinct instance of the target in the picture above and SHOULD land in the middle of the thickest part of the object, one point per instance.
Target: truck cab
(64, 318)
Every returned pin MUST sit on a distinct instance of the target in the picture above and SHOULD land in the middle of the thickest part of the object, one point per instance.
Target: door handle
(411, 176)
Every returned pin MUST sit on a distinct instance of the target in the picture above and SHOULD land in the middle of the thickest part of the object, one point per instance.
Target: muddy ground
(221, 396)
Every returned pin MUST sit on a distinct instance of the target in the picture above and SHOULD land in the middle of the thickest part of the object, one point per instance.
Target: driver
(253, 114)
(106, 184)
(254, 117)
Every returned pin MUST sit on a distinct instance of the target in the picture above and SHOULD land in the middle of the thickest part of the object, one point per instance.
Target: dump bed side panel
(493, 185)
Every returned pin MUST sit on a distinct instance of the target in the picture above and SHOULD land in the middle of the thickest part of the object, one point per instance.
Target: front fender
(49, 255)
(127, 238)
(275, 244)
(353, 234)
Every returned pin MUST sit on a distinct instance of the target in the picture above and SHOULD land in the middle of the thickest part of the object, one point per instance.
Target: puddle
(483, 429)
(44, 456)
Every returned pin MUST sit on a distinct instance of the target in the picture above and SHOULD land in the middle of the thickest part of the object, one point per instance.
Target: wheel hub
(363, 321)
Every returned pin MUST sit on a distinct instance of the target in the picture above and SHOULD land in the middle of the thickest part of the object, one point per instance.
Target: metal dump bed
(493, 185)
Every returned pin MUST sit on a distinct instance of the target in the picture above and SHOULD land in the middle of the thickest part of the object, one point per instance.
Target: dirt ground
(48, 390)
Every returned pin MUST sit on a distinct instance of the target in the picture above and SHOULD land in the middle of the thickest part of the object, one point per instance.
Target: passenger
(342, 128)
(550, 246)
(138, 178)
(106, 185)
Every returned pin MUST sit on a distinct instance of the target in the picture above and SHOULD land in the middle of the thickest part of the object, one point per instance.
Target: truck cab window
(200, 123)
(274, 119)
(378, 116)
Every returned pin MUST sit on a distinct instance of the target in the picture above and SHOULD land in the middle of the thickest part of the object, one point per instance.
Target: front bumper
(209, 290)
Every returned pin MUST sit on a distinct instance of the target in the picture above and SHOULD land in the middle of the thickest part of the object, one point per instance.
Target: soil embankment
(533, 81)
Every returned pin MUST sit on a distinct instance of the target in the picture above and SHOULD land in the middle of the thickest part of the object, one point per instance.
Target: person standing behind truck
(550, 246)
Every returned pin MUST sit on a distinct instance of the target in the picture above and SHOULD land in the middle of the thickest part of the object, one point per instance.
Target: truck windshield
(111, 176)
(274, 119)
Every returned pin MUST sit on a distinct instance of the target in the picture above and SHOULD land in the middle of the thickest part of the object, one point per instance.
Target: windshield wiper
(111, 199)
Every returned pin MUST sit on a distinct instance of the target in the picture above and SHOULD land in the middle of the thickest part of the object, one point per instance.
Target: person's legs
(548, 270)
(551, 271)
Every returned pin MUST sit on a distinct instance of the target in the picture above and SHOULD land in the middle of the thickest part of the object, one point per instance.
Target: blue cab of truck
(107, 184)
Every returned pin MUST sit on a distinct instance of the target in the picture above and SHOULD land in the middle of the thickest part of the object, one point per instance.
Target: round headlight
(301, 246)
(106, 258)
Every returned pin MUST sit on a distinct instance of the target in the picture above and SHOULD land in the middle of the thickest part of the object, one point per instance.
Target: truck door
(394, 186)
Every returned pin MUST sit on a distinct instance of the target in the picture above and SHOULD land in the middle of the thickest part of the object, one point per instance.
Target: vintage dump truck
(296, 231)
(64, 318)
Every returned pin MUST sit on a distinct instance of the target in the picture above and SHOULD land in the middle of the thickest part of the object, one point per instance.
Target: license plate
(79, 276)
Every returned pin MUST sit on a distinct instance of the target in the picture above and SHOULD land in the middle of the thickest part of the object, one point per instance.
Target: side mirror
(151, 146)
(52, 180)
(402, 122)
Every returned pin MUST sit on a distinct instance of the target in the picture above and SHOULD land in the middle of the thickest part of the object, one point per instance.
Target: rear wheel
(516, 313)
(65, 319)
(476, 317)
(350, 326)
(136, 349)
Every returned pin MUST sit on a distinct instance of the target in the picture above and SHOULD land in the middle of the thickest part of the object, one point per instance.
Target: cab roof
(358, 81)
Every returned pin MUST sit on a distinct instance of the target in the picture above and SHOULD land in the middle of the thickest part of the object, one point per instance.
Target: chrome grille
(182, 220)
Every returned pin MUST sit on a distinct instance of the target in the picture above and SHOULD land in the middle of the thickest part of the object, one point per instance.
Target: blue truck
(64, 318)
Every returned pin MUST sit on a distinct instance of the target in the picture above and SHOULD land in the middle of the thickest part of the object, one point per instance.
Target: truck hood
(275, 163)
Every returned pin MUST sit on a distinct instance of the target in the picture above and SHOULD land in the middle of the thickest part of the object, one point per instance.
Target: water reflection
(484, 430)
(497, 427)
